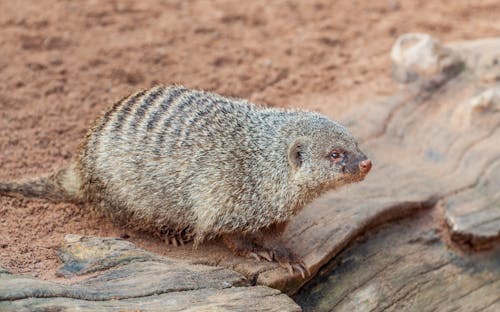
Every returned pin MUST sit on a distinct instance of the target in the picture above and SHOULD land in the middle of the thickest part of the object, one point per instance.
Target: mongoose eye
(336, 156)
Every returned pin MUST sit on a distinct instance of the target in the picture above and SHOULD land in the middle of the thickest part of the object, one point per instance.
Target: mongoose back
(189, 164)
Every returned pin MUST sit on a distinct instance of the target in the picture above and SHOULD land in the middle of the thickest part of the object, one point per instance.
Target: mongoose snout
(193, 165)
(355, 165)
(365, 166)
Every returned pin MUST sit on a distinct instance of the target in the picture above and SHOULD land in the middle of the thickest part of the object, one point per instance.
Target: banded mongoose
(193, 165)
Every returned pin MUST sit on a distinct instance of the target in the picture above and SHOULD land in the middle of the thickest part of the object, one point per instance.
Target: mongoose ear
(296, 152)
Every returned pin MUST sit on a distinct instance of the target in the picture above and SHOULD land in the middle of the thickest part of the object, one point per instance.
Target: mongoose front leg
(270, 239)
(265, 245)
(244, 246)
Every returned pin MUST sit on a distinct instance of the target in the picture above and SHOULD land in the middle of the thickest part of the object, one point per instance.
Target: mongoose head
(324, 155)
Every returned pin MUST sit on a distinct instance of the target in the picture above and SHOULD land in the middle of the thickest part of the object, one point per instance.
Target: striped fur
(175, 159)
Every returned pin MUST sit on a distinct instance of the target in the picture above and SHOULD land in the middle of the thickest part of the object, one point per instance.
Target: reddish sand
(62, 62)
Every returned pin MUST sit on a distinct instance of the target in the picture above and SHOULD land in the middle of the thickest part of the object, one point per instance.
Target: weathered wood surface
(405, 267)
(128, 278)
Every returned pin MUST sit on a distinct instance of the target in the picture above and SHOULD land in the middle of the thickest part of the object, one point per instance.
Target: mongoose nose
(365, 166)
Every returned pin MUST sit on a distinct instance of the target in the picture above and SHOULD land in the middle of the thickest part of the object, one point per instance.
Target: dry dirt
(63, 62)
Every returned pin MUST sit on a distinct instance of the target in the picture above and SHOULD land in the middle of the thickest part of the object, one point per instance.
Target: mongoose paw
(295, 265)
(291, 262)
(299, 267)
(245, 247)
(283, 257)
(177, 238)
(174, 241)
(259, 253)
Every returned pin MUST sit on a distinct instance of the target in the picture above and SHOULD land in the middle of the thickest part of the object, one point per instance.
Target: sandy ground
(62, 62)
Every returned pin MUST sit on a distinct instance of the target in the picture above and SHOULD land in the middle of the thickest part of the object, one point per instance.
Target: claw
(254, 255)
(272, 253)
(288, 266)
(307, 270)
(174, 241)
(187, 237)
(167, 236)
(265, 255)
(300, 268)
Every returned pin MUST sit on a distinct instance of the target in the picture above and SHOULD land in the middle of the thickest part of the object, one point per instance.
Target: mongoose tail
(60, 186)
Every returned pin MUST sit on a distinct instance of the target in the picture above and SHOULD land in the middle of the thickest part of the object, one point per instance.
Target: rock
(128, 278)
(420, 57)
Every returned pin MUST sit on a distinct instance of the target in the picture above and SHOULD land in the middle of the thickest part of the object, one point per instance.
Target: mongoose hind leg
(177, 237)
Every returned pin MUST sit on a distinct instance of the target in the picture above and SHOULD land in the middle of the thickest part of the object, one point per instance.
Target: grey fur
(170, 158)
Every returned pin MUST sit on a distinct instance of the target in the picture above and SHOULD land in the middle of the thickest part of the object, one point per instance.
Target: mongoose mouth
(353, 178)
(364, 168)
